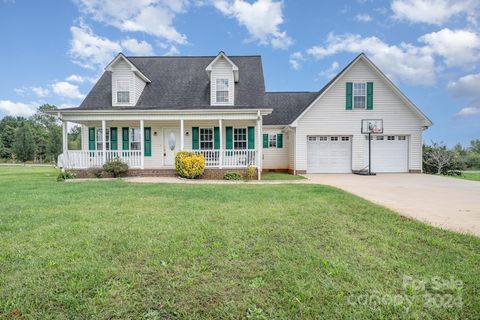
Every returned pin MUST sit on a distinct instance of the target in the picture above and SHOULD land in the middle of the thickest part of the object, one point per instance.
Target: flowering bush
(189, 164)
(116, 167)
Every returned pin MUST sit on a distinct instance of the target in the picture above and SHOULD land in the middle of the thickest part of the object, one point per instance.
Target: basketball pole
(370, 153)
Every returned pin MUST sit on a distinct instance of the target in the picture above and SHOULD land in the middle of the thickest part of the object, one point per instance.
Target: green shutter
(113, 139)
(369, 95)
(195, 136)
(216, 138)
(349, 96)
(280, 140)
(251, 138)
(229, 138)
(91, 138)
(147, 136)
(265, 140)
(125, 141)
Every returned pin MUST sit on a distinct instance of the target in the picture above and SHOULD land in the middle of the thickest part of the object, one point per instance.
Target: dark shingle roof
(287, 106)
(182, 83)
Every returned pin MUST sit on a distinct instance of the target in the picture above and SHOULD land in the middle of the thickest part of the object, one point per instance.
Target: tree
(475, 146)
(24, 145)
(438, 159)
(75, 138)
(54, 144)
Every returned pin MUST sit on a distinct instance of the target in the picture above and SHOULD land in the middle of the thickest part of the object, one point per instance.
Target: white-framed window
(206, 139)
(312, 138)
(272, 140)
(379, 137)
(99, 136)
(134, 138)
(239, 138)
(123, 91)
(359, 95)
(222, 91)
(402, 137)
(390, 137)
(322, 138)
(333, 138)
(345, 138)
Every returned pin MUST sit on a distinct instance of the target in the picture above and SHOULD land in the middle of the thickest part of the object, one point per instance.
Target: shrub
(251, 172)
(96, 172)
(232, 176)
(62, 175)
(189, 164)
(116, 167)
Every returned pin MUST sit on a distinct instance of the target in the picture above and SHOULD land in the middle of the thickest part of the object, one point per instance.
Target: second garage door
(329, 154)
(389, 153)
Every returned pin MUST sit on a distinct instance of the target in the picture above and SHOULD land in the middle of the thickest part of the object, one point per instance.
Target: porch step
(152, 173)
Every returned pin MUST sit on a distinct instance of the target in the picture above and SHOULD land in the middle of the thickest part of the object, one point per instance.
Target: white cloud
(363, 18)
(296, 59)
(66, 89)
(457, 47)
(80, 79)
(154, 17)
(19, 109)
(468, 111)
(331, 71)
(432, 11)
(406, 62)
(466, 87)
(173, 51)
(141, 48)
(90, 50)
(262, 18)
(38, 91)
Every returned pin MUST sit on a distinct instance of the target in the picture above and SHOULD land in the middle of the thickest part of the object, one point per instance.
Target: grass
(280, 176)
(114, 250)
(470, 175)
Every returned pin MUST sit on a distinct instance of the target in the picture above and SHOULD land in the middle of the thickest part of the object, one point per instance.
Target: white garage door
(389, 153)
(329, 154)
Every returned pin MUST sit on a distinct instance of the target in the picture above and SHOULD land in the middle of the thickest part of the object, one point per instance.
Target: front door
(171, 142)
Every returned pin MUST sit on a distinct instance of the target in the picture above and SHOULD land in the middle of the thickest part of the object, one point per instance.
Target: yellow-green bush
(189, 164)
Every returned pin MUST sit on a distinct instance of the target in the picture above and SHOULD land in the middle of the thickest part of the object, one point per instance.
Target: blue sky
(53, 51)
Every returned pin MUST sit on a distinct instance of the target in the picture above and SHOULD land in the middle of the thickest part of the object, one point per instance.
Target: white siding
(275, 158)
(121, 71)
(222, 69)
(329, 117)
(291, 149)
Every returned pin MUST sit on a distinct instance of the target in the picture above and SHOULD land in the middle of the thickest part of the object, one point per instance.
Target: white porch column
(142, 144)
(220, 129)
(104, 139)
(182, 135)
(259, 145)
(65, 137)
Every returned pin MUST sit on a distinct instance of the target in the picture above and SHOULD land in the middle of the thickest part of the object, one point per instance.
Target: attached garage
(329, 154)
(389, 153)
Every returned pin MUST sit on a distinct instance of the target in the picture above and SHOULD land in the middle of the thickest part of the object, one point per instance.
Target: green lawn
(280, 176)
(471, 175)
(114, 250)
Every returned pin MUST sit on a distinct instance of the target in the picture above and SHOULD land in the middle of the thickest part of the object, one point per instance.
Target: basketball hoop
(374, 126)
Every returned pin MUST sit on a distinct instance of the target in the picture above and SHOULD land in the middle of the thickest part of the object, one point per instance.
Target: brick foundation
(209, 174)
(276, 170)
(415, 171)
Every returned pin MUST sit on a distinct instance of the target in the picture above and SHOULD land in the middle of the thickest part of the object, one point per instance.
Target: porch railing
(229, 158)
(79, 159)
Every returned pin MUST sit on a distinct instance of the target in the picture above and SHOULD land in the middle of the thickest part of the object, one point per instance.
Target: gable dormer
(127, 81)
(223, 75)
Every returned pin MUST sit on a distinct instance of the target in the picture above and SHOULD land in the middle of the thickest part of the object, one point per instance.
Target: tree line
(37, 138)
(439, 159)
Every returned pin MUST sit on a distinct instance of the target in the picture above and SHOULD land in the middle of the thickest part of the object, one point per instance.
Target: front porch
(152, 143)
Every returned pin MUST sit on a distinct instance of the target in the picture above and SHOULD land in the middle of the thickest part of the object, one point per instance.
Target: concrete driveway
(440, 201)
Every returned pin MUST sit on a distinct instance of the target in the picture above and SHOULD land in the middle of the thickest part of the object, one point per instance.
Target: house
(145, 109)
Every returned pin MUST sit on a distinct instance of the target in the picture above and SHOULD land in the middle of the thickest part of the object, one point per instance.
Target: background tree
(439, 160)
(24, 145)
(475, 146)
(54, 144)
(75, 138)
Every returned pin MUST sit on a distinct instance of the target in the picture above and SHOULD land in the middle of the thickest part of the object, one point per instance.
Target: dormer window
(222, 91)
(123, 91)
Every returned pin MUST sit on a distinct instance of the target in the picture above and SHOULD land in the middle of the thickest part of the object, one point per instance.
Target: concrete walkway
(440, 201)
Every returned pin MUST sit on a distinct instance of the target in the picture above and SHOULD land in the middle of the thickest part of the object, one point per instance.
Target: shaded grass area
(471, 175)
(113, 250)
(280, 176)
